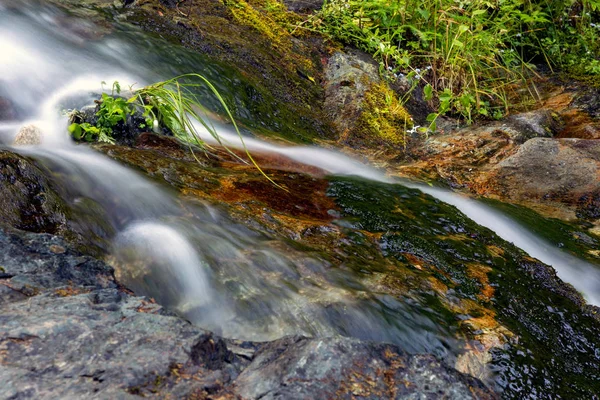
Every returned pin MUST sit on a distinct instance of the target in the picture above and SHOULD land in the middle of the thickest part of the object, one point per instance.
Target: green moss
(383, 116)
(246, 14)
(485, 277)
(269, 76)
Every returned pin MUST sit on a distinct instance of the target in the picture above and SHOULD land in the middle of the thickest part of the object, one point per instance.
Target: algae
(557, 345)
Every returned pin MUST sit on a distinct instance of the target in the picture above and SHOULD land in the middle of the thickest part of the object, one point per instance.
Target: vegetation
(383, 115)
(470, 57)
(171, 104)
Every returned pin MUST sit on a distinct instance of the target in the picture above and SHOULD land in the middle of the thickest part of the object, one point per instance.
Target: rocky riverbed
(469, 314)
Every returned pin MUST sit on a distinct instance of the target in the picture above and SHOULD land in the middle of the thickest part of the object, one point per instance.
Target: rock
(548, 170)
(342, 368)
(7, 110)
(364, 110)
(29, 135)
(34, 266)
(303, 6)
(71, 332)
(30, 201)
(348, 77)
(27, 200)
(539, 123)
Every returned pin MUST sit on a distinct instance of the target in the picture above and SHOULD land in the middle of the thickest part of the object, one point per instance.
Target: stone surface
(27, 200)
(339, 368)
(547, 170)
(29, 135)
(529, 125)
(72, 332)
(348, 75)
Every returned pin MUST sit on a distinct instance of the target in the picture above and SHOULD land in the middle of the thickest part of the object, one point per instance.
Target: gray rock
(92, 339)
(529, 125)
(29, 135)
(547, 170)
(343, 368)
(348, 76)
(40, 262)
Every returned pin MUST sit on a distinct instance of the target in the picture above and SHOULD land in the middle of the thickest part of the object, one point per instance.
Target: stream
(192, 257)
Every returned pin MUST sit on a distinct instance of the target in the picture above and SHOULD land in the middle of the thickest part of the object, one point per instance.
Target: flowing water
(194, 258)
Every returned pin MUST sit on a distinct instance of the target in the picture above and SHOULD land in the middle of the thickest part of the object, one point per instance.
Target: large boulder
(549, 170)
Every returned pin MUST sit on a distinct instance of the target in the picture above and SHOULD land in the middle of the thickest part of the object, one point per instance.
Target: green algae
(558, 346)
(571, 237)
(271, 88)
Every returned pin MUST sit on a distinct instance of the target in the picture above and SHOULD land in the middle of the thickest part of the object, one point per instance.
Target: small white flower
(155, 127)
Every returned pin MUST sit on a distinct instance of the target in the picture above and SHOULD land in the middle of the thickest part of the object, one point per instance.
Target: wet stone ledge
(69, 330)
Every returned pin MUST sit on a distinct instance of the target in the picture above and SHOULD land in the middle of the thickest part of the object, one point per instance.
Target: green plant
(469, 56)
(171, 103)
(111, 111)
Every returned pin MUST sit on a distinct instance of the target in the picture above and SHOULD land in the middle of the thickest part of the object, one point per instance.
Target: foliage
(471, 56)
(170, 103)
(111, 111)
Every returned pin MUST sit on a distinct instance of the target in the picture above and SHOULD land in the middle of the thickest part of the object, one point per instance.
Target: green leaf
(428, 92)
(75, 130)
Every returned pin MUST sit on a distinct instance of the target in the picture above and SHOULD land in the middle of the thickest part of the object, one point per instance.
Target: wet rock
(547, 170)
(29, 135)
(272, 76)
(522, 317)
(27, 200)
(7, 110)
(294, 368)
(34, 266)
(303, 6)
(79, 335)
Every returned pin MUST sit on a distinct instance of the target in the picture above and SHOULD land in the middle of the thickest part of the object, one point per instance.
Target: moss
(246, 14)
(383, 116)
(485, 282)
(268, 76)
(271, 19)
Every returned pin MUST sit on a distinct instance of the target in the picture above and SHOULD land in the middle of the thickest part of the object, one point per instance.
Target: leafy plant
(470, 56)
(170, 103)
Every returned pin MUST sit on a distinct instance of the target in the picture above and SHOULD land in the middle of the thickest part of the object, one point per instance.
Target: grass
(171, 104)
(470, 57)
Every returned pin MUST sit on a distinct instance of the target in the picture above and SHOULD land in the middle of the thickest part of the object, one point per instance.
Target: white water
(221, 275)
(584, 276)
